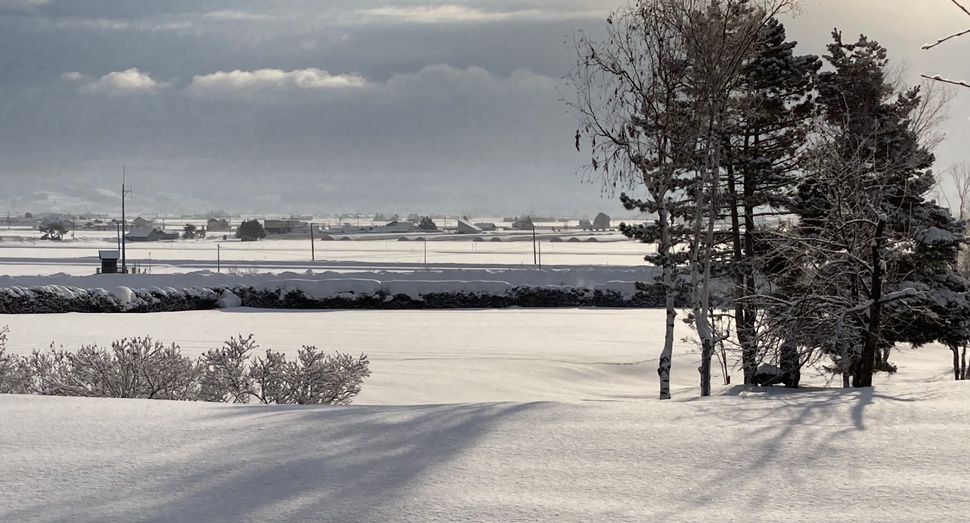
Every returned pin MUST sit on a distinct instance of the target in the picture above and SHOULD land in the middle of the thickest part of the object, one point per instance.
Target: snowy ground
(469, 415)
(511, 415)
(23, 254)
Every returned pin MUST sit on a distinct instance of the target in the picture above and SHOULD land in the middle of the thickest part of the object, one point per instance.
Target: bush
(133, 368)
(13, 372)
(222, 372)
(142, 368)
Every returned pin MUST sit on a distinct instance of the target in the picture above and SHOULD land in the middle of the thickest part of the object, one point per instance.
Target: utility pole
(313, 254)
(535, 251)
(124, 223)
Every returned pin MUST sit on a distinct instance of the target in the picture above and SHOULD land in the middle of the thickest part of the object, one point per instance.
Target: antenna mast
(124, 223)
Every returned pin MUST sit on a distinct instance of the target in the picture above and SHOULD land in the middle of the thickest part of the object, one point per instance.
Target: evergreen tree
(873, 252)
(771, 110)
(250, 230)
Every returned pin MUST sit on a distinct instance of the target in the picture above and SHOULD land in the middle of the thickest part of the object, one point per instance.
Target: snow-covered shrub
(14, 374)
(314, 378)
(133, 368)
(143, 368)
(223, 375)
(319, 378)
(269, 377)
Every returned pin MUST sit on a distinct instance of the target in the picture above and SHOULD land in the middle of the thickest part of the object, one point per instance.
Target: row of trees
(802, 193)
(147, 369)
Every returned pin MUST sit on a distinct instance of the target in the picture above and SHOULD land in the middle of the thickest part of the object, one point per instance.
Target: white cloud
(21, 5)
(452, 13)
(171, 26)
(75, 76)
(119, 82)
(111, 25)
(310, 78)
(104, 24)
(434, 14)
(459, 82)
(235, 15)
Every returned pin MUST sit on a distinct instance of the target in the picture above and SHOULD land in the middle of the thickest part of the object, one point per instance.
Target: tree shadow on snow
(781, 428)
(290, 463)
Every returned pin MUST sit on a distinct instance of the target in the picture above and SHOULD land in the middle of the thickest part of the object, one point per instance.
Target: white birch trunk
(663, 249)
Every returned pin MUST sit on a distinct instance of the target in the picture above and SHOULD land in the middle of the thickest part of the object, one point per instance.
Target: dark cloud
(263, 105)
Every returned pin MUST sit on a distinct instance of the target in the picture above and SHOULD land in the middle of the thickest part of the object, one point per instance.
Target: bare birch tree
(630, 100)
(652, 101)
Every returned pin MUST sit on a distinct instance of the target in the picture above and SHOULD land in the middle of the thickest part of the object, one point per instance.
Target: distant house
(217, 224)
(147, 234)
(388, 228)
(486, 226)
(140, 223)
(284, 226)
(523, 224)
(467, 228)
(414, 218)
(395, 226)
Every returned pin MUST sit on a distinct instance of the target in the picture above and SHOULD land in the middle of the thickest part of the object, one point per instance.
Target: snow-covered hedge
(328, 294)
(55, 298)
(147, 369)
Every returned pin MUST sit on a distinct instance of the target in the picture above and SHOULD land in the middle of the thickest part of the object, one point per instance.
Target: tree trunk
(663, 251)
(957, 372)
(707, 351)
(749, 364)
(702, 281)
(791, 372)
(963, 363)
(846, 365)
(750, 348)
(867, 361)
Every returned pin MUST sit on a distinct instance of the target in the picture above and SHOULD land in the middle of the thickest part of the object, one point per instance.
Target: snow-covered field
(510, 415)
(23, 254)
(469, 415)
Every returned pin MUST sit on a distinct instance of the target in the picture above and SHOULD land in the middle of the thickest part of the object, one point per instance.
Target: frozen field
(24, 255)
(469, 415)
(511, 415)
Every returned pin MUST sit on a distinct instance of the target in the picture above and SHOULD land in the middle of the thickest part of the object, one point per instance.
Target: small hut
(109, 262)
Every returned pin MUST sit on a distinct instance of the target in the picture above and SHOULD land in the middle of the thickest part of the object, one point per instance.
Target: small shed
(109, 261)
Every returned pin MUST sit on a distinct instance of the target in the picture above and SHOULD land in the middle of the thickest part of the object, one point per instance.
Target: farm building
(146, 234)
(140, 223)
(285, 226)
(217, 224)
(467, 228)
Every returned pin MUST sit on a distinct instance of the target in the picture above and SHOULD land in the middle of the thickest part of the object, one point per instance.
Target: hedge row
(51, 299)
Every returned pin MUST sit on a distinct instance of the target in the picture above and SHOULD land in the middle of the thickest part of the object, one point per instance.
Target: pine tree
(771, 110)
(250, 230)
(873, 250)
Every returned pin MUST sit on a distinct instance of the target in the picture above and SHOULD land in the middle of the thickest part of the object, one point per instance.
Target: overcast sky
(321, 106)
